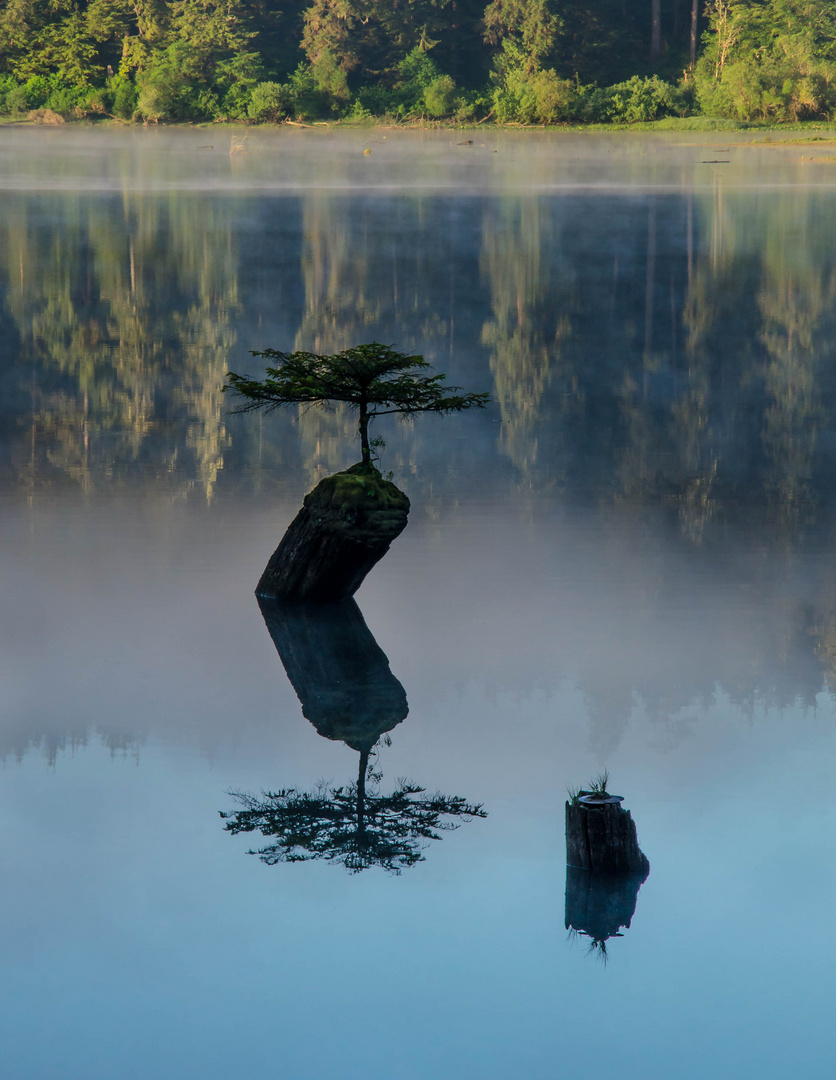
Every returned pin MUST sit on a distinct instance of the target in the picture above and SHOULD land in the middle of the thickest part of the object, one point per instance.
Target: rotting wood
(344, 528)
(603, 839)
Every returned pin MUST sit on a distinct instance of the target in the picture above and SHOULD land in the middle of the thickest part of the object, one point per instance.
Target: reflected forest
(607, 371)
(679, 374)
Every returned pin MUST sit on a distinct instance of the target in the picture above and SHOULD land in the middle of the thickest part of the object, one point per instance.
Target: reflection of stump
(599, 905)
(339, 672)
(603, 839)
(345, 526)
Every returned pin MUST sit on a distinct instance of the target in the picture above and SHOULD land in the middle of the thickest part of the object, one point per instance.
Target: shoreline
(690, 124)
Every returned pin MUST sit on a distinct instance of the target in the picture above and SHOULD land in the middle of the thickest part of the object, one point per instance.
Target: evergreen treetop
(372, 379)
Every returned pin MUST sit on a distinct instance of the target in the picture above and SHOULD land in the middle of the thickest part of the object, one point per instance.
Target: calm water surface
(626, 562)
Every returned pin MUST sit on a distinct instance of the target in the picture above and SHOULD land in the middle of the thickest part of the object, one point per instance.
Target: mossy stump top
(344, 528)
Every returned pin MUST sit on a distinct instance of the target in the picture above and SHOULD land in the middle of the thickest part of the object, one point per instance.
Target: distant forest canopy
(514, 61)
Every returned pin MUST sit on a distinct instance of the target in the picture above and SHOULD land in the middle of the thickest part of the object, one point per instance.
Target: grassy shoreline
(693, 124)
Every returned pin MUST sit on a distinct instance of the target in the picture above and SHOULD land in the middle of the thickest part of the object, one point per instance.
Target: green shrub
(417, 72)
(16, 101)
(539, 97)
(98, 100)
(270, 102)
(8, 83)
(639, 100)
(307, 100)
(165, 91)
(330, 79)
(125, 98)
(768, 87)
(636, 101)
(359, 112)
(36, 92)
(377, 101)
(65, 100)
(440, 96)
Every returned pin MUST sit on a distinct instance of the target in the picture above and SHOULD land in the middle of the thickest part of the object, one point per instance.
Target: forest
(512, 61)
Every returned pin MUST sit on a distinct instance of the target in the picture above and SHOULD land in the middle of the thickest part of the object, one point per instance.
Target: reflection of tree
(386, 275)
(680, 359)
(529, 320)
(354, 825)
(123, 343)
(347, 691)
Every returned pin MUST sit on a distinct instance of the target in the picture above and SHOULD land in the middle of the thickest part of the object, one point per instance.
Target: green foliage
(440, 96)
(302, 96)
(596, 786)
(270, 102)
(373, 375)
(329, 78)
(639, 100)
(374, 380)
(635, 101)
(548, 61)
(37, 90)
(367, 39)
(8, 84)
(532, 97)
(768, 61)
(422, 88)
(125, 97)
(66, 100)
(167, 90)
(525, 29)
(378, 101)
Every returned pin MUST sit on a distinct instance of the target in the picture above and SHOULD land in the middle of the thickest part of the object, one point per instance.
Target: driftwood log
(345, 526)
(603, 839)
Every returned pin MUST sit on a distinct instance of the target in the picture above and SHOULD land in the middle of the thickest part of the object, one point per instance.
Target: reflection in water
(676, 380)
(599, 906)
(339, 672)
(342, 678)
(684, 362)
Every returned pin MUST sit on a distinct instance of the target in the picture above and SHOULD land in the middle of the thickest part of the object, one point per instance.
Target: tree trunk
(655, 28)
(694, 17)
(344, 528)
(603, 839)
(364, 435)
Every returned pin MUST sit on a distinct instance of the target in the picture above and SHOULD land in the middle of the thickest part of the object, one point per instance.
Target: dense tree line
(528, 61)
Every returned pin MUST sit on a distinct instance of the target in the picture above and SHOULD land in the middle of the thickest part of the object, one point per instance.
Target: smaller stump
(601, 836)
(344, 528)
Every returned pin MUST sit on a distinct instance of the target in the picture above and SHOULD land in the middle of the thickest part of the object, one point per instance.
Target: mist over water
(625, 562)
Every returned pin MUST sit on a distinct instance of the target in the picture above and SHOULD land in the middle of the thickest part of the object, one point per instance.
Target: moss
(360, 505)
(360, 488)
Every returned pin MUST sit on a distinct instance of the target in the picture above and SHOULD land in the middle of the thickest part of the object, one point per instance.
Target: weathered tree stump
(600, 905)
(603, 838)
(339, 672)
(345, 526)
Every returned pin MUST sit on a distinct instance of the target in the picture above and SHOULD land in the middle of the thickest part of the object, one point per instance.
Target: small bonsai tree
(372, 379)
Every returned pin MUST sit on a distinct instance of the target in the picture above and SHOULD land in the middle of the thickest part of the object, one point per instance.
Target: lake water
(625, 562)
